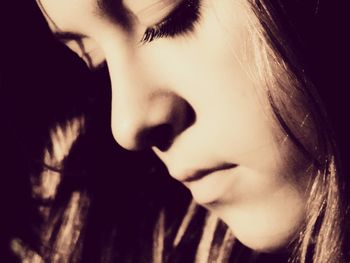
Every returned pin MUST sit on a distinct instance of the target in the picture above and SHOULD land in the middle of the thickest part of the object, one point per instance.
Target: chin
(263, 235)
(265, 240)
(266, 244)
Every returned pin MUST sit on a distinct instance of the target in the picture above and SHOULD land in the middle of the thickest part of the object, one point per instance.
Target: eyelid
(157, 11)
(180, 20)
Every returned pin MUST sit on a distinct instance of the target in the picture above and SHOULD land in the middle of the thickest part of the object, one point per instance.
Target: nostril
(189, 117)
(163, 134)
(160, 136)
(154, 124)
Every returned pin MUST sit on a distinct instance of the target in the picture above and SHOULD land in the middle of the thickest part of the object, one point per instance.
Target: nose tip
(154, 122)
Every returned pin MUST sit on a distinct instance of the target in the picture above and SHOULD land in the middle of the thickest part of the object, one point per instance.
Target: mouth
(210, 186)
(196, 175)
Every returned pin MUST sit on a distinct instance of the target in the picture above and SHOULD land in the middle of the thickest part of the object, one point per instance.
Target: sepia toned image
(174, 131)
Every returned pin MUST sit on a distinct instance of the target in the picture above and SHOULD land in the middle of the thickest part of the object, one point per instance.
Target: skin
(253, 166)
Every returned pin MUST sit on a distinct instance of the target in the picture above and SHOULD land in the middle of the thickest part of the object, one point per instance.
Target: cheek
(211, 53)
(209, 70)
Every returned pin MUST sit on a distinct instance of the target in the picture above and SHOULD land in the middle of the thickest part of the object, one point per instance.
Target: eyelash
(180, 21)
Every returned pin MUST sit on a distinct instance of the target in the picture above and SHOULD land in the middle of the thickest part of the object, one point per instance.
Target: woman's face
(182, 75)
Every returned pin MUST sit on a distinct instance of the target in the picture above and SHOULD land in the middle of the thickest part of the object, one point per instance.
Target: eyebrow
(108, 4)
(116, 10)
(68, 35)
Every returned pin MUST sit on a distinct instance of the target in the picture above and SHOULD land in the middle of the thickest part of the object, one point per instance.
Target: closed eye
(84, 47)
(180, 21)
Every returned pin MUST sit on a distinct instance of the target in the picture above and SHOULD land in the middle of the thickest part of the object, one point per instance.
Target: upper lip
(196, 174)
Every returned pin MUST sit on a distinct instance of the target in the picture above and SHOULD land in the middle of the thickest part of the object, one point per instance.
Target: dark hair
(135, 213)
(47, 91)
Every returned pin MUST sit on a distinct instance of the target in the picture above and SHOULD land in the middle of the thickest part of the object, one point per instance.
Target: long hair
(76, 197)
(301, 69)
(69, 194)
(290, 30)
(292, 60)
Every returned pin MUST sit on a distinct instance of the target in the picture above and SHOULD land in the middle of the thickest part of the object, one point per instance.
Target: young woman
(226, 94)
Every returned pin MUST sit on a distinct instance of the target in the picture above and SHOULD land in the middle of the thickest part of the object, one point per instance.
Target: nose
(145, 114)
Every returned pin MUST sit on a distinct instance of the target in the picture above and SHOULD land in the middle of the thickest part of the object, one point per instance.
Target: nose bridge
(129, 96)
(143, 112)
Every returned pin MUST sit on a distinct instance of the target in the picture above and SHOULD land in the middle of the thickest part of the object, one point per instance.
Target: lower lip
(213, 187)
